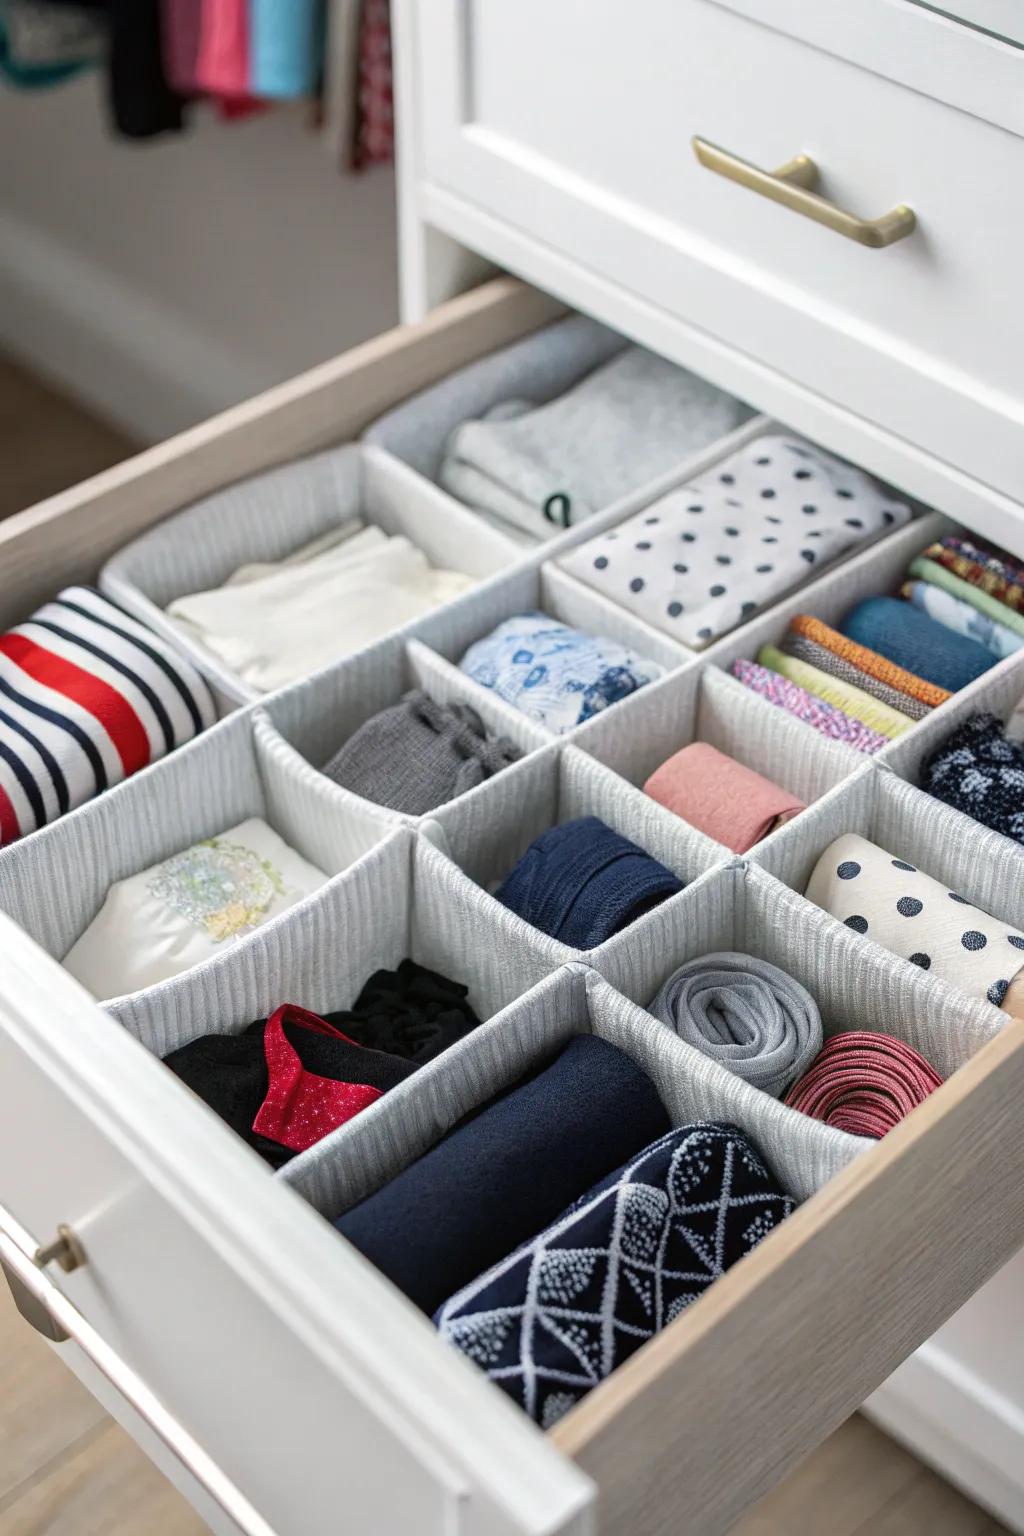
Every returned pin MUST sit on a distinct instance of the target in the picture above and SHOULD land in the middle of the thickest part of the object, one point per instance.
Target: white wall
(164, 281)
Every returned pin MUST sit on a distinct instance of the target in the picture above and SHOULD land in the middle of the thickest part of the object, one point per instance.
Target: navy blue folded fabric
(916, 642)
(978, 771)
(581, 883)
(504, 1174)
(551, 1321)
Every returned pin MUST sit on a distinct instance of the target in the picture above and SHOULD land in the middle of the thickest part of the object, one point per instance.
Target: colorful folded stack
(894, 659)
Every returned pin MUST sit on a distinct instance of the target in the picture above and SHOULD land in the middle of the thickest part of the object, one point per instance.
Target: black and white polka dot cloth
(916, 917)
(705, 558)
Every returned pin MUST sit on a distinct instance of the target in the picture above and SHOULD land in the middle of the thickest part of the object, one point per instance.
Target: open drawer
(291, 1381)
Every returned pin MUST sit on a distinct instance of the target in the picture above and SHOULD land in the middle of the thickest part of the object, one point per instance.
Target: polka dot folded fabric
(918, 918)
(556, 675)
(707, 557)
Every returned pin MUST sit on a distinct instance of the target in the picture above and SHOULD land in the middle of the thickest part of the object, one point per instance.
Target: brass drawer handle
(50, 1312)
(793, 185)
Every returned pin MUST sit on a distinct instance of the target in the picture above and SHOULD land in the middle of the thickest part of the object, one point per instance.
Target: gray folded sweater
(418, 755)
(632, 420)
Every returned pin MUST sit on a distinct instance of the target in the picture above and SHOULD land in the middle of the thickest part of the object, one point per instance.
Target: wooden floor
(68, 1470)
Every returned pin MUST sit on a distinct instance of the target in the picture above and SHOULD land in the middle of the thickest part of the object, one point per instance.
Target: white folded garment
(286, 624)
(170, 917)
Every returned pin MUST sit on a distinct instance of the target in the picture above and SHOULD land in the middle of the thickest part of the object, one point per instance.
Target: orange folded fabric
(871, 662)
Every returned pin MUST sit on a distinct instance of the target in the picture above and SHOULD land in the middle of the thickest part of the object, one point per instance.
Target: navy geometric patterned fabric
(556, 1317)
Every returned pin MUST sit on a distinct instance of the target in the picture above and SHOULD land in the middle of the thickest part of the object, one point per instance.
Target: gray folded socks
(746, 1014)
(631, 420)
(418, 755)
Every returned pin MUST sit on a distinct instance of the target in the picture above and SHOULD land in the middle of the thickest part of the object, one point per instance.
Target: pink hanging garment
(222, 65)
(179, 41)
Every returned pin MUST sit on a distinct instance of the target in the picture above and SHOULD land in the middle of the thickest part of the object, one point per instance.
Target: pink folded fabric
(817, 713)
(864, 1083)
(720, 797)
(222, 65)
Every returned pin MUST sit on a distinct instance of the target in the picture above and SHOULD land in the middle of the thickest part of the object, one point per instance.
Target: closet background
(163, 281)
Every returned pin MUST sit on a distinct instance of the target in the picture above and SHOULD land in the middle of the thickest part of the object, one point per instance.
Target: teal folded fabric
(285, 47)
(919, 644)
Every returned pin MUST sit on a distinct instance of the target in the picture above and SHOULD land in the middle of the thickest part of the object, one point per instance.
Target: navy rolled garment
(917, 642)
(581, 883)
(502, 1176)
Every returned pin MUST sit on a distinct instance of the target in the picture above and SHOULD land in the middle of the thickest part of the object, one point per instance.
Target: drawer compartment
(311, 1383)
(595, 166)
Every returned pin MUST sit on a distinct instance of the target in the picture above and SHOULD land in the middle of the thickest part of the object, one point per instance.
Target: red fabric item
(10, 831)
(89, 692)
(864, 1083)
(375, 115)
(301, 1108)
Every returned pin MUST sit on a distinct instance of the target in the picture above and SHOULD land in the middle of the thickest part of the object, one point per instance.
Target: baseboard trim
(949, 1417)
(115, 348)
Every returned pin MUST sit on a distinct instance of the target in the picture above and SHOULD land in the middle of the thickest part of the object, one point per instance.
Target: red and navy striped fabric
(87, 697)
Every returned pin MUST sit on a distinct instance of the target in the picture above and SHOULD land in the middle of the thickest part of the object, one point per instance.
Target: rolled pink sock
(720, 797)
(864, 1083)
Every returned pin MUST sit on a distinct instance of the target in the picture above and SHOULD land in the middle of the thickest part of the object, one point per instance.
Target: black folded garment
(503, 1175)
(285, 1082)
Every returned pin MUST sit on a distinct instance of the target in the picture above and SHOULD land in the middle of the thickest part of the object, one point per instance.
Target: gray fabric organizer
(421, 886)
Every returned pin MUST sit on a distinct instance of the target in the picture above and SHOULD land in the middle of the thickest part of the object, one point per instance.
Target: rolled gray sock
(418, 755)
(629, 421)
(745, 1014)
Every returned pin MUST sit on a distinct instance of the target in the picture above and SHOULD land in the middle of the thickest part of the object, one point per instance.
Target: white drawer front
(573, 124)
(325, 1401)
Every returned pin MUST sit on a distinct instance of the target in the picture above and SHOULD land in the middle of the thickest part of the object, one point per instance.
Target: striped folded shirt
(87, 697)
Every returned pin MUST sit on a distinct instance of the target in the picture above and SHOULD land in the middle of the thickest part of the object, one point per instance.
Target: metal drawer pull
(793, 185)
(50, 1312)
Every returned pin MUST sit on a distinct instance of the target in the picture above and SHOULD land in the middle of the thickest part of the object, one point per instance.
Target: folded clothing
(88, 696)
(995, 574)
(827, 719)
(864, 1083)
(869, 662)
(177, 914)
(302, 616)
(852, 700)
(917, 643)
(581, 883)
(826, 661)
(632, 420)
(917, 918)
(412, 1012)
(705, 558)
(508, 1171)
(556, 675)
(962, 618)
(720, 797)
(418, 755)
(977, 769)
(285, 1082)
(746, 1014)
(938, 576)
(547, 1323)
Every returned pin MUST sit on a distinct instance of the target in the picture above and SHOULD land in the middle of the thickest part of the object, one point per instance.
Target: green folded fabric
(938, 576)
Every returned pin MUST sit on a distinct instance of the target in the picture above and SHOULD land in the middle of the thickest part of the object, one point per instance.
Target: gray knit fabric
(418, 755)
(825, 660)
(632, 420)
(745, 1014)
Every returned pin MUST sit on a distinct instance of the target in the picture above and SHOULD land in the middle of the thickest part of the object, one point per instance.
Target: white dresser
(841, 247)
